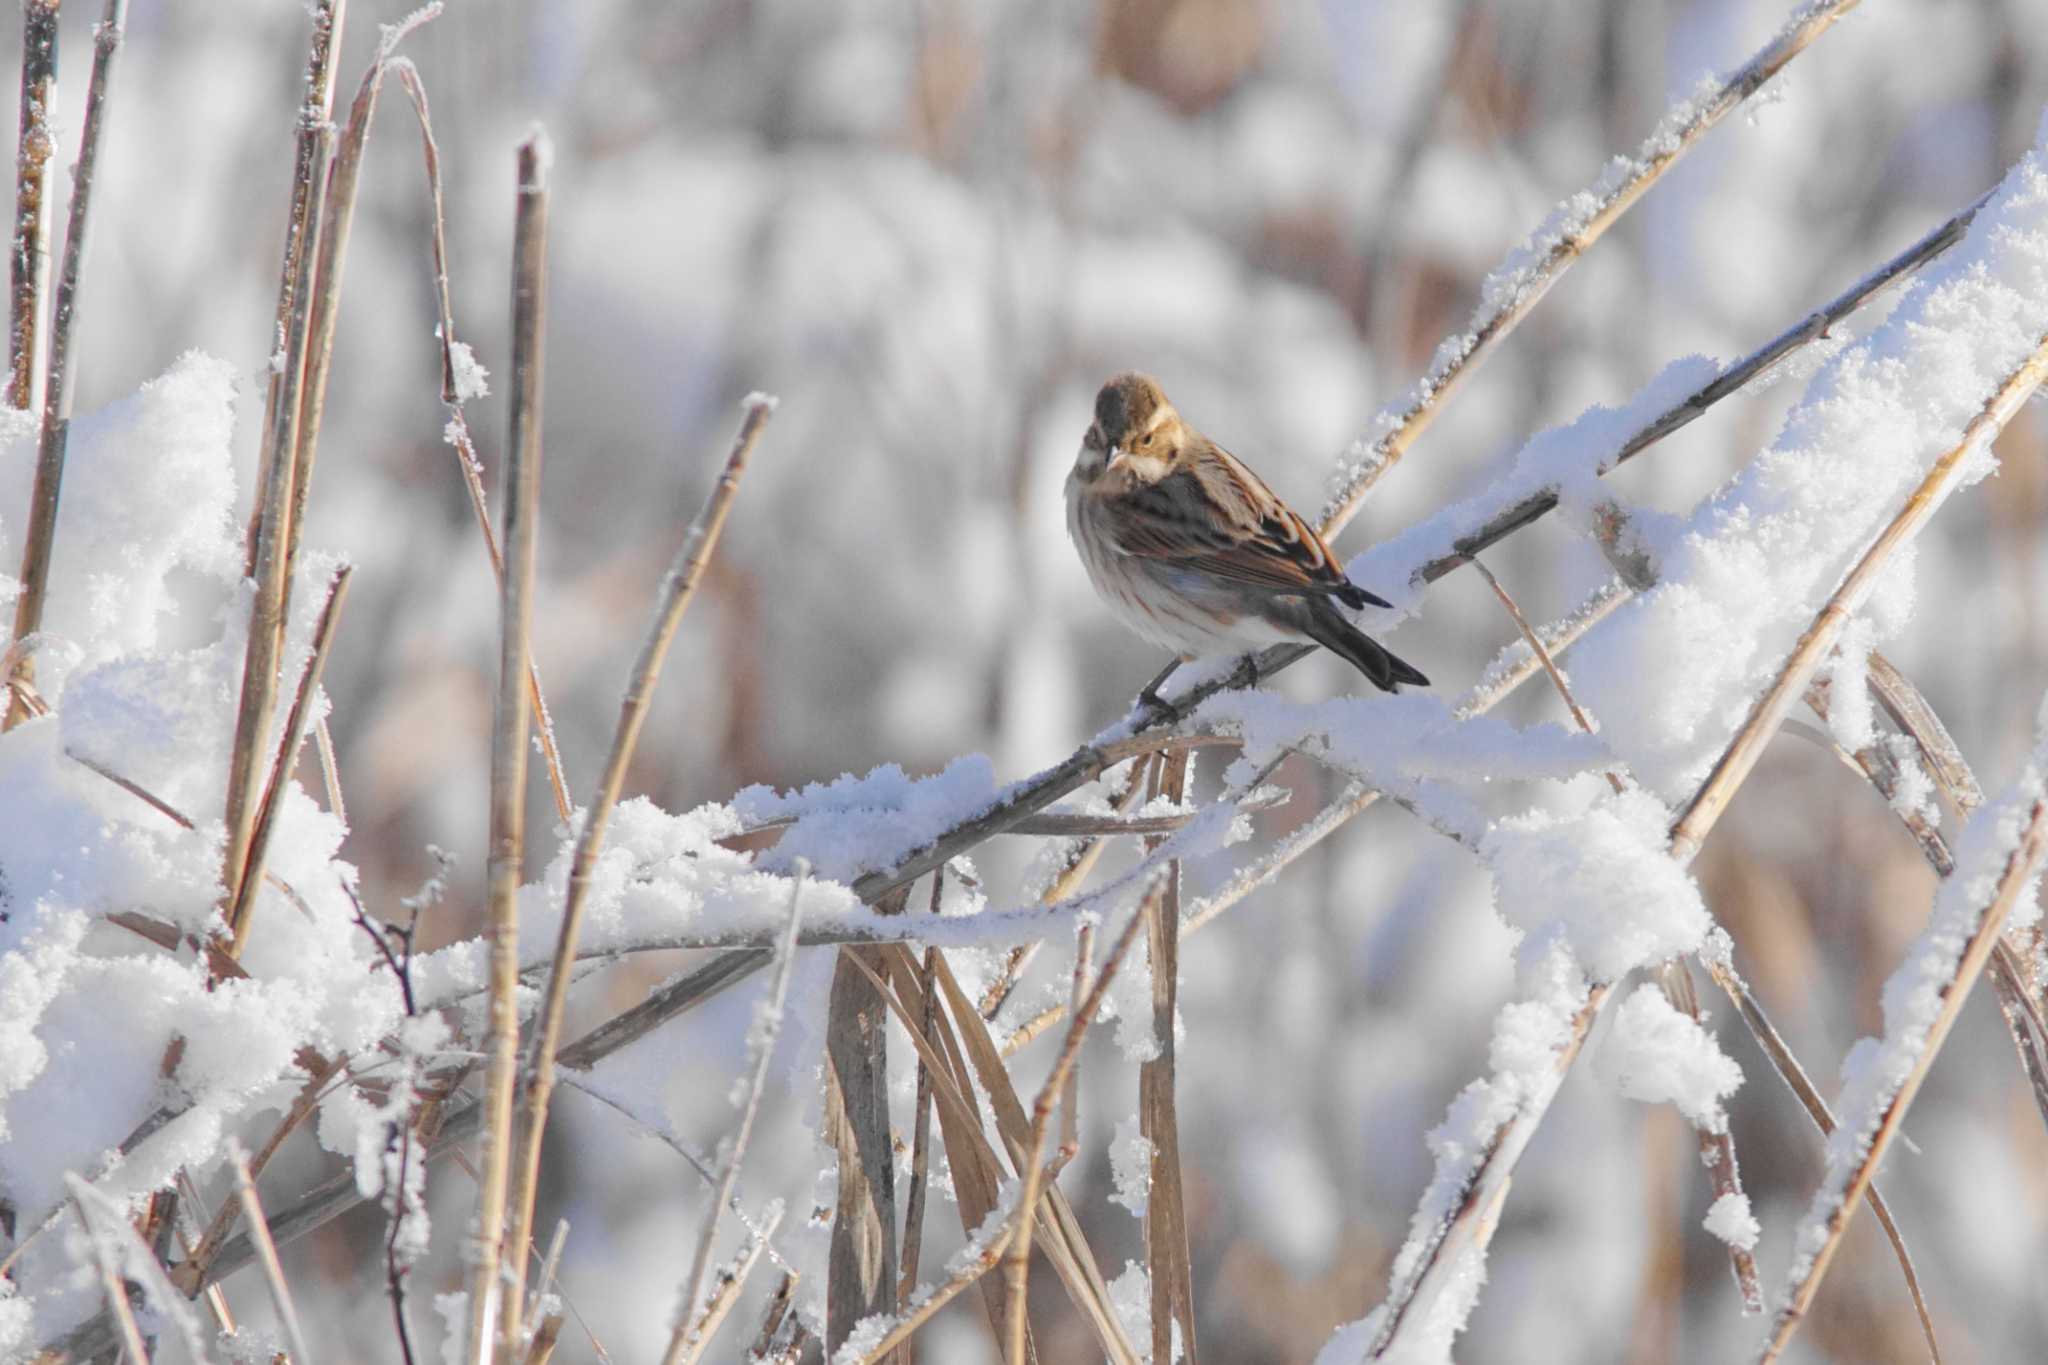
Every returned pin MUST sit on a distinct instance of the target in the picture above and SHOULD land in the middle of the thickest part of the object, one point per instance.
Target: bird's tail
(1387, 671)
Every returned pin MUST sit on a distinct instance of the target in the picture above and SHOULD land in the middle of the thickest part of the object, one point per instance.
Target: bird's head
(1135, 429)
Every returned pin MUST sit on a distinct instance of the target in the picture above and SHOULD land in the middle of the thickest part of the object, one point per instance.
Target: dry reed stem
(337, 218)
(678, 588)
(1011, 1246)
(920, 1133)
(58, 380)
(1801, 1085)
(467, 463)
(1559, 246)
(976, 1171)
(687, 1342)
(1166, 1233)
(330, 771)
(2016, 1002)
(252, 872)
(498, 1272)
(266, 1254)
(2021, 865)
(110, 1280)
(271, 535)
(30, 274)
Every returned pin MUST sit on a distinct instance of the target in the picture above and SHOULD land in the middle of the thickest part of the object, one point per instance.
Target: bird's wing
(1212, 514)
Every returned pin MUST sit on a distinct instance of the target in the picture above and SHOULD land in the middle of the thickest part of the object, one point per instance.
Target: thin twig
(679, 587)
(498, 1271)
(459, 439)
(33, 203)
(683, 1341)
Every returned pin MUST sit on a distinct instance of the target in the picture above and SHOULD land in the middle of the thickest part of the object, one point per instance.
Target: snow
(1130, 1166)
(1595, 875)
(1659, 1055)
(1730, 1220)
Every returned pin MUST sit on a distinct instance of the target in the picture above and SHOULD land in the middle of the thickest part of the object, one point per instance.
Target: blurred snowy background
(932, 228)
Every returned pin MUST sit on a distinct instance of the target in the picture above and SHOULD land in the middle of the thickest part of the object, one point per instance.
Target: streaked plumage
(1191, 550)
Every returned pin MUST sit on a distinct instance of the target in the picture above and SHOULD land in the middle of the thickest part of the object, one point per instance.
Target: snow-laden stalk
(1716, 1147)
(59, 380)
(1732, 379)
(678, 588)
(1519, 284)
(270, 537)
(497, 1277)
(691, 1333)
(1463, 1233)
(1859, 1148)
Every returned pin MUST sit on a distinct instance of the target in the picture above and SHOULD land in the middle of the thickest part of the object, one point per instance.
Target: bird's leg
(1161, 708)
(1248, 668)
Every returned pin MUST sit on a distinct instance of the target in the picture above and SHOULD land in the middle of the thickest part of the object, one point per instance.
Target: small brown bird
(1192, 551)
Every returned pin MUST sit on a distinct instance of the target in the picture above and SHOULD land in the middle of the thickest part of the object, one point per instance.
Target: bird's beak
(1115, 453)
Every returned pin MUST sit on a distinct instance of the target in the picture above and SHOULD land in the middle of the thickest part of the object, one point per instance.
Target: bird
(1191, 550)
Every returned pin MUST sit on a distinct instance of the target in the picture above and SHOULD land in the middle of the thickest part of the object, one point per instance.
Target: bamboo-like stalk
(30, 274)
(691, 1335)
(60, 381)
(252, 873)
(1516, 290)
(497, 1270)
(270, 538)
(678, 589)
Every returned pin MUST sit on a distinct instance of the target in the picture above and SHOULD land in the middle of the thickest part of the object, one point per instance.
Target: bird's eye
(1145, 441)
